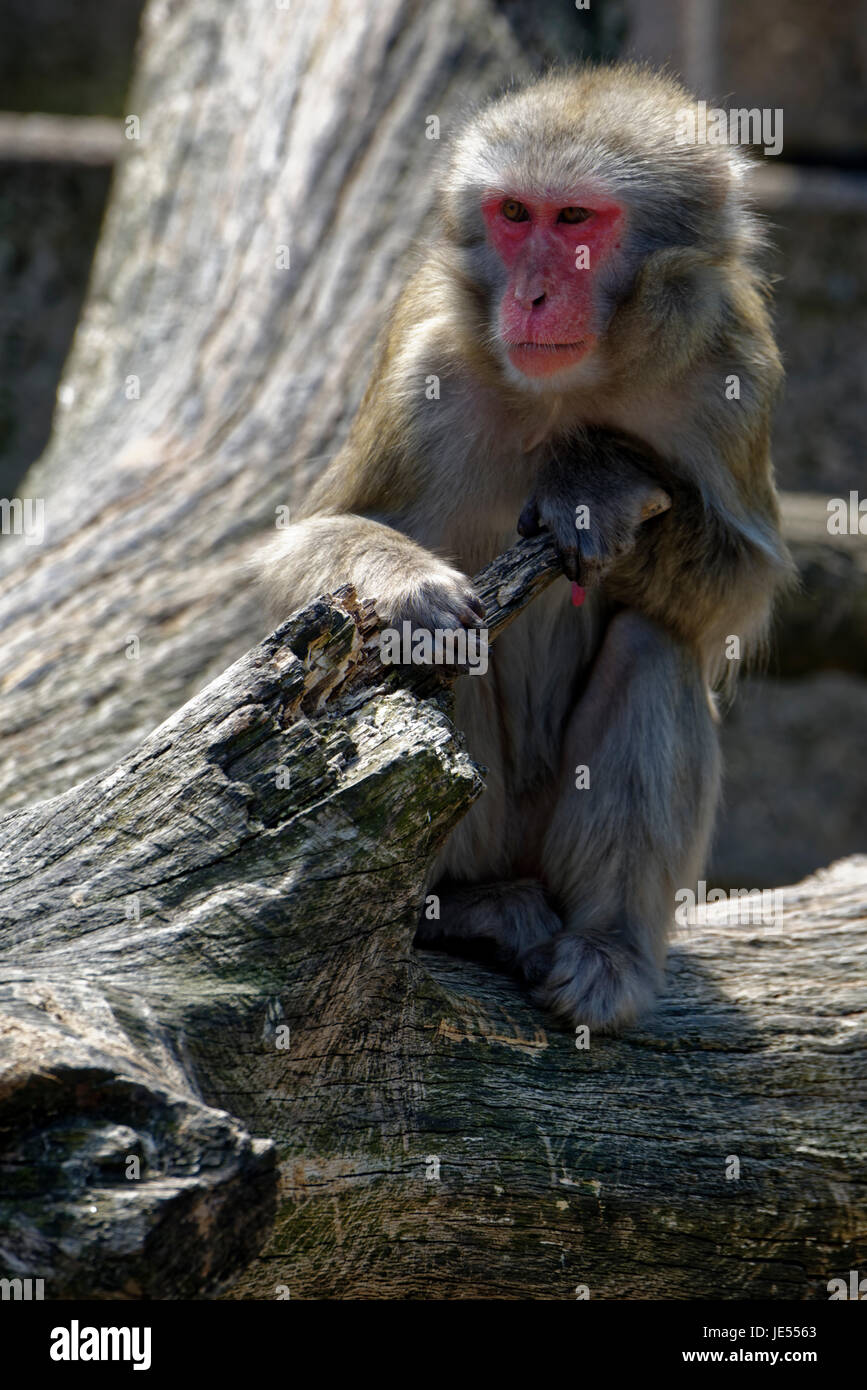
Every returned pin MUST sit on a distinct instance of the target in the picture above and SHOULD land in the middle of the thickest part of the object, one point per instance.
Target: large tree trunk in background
(435, 1136)
(260, 128)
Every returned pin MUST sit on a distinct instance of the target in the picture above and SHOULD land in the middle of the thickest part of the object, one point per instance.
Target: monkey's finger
(568, 557)
(592, 564)
(528, 521)
(658, 501)
(476, 604)
(470, 617)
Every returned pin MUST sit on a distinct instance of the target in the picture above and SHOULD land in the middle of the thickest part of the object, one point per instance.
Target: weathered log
(172, 913)
(821, 625)
(224, 923)
(116, 1178)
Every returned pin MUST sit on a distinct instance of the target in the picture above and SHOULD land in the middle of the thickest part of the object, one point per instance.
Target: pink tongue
(578, 594)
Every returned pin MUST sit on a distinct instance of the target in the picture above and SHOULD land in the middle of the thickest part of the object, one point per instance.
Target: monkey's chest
(515, 716)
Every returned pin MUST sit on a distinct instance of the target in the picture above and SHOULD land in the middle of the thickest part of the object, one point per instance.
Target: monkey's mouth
(541, 359)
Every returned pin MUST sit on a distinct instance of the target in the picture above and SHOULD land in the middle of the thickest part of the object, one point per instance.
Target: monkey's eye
(574, 214)
(515, 211)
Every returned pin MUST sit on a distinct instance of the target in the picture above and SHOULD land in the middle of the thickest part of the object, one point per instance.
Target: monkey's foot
(600, 981)
(499, 921)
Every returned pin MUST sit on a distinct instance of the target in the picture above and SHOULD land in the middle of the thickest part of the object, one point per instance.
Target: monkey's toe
(492, 921)
(599, 982)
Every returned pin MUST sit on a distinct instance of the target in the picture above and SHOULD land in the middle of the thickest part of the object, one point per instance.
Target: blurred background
(796, 742)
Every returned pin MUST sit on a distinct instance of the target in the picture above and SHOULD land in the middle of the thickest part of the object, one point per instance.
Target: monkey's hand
(404, 580)
(593, 504)
(437, 597)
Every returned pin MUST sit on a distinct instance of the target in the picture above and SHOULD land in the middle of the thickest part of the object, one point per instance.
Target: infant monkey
(591, 309)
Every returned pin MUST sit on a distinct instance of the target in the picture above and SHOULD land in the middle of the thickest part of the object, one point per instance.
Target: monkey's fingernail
(658, 501)
(477, 606)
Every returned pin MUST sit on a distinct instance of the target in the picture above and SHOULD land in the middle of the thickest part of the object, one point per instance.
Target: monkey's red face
(552, 251)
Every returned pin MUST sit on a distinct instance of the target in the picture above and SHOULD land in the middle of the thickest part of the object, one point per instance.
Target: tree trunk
(261, 128)
(169, 919)
(226, 920)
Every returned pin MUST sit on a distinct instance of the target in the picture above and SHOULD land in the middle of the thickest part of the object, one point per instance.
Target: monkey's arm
(706, 570)
(593, 496)
(317, 555)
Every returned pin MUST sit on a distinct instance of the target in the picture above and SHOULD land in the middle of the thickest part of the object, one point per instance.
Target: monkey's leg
(616, 851)
(495, 921)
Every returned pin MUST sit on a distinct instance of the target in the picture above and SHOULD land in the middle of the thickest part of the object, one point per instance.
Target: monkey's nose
(540, 299)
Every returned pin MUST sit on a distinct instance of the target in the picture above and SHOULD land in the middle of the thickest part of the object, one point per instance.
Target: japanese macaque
(591, 311)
